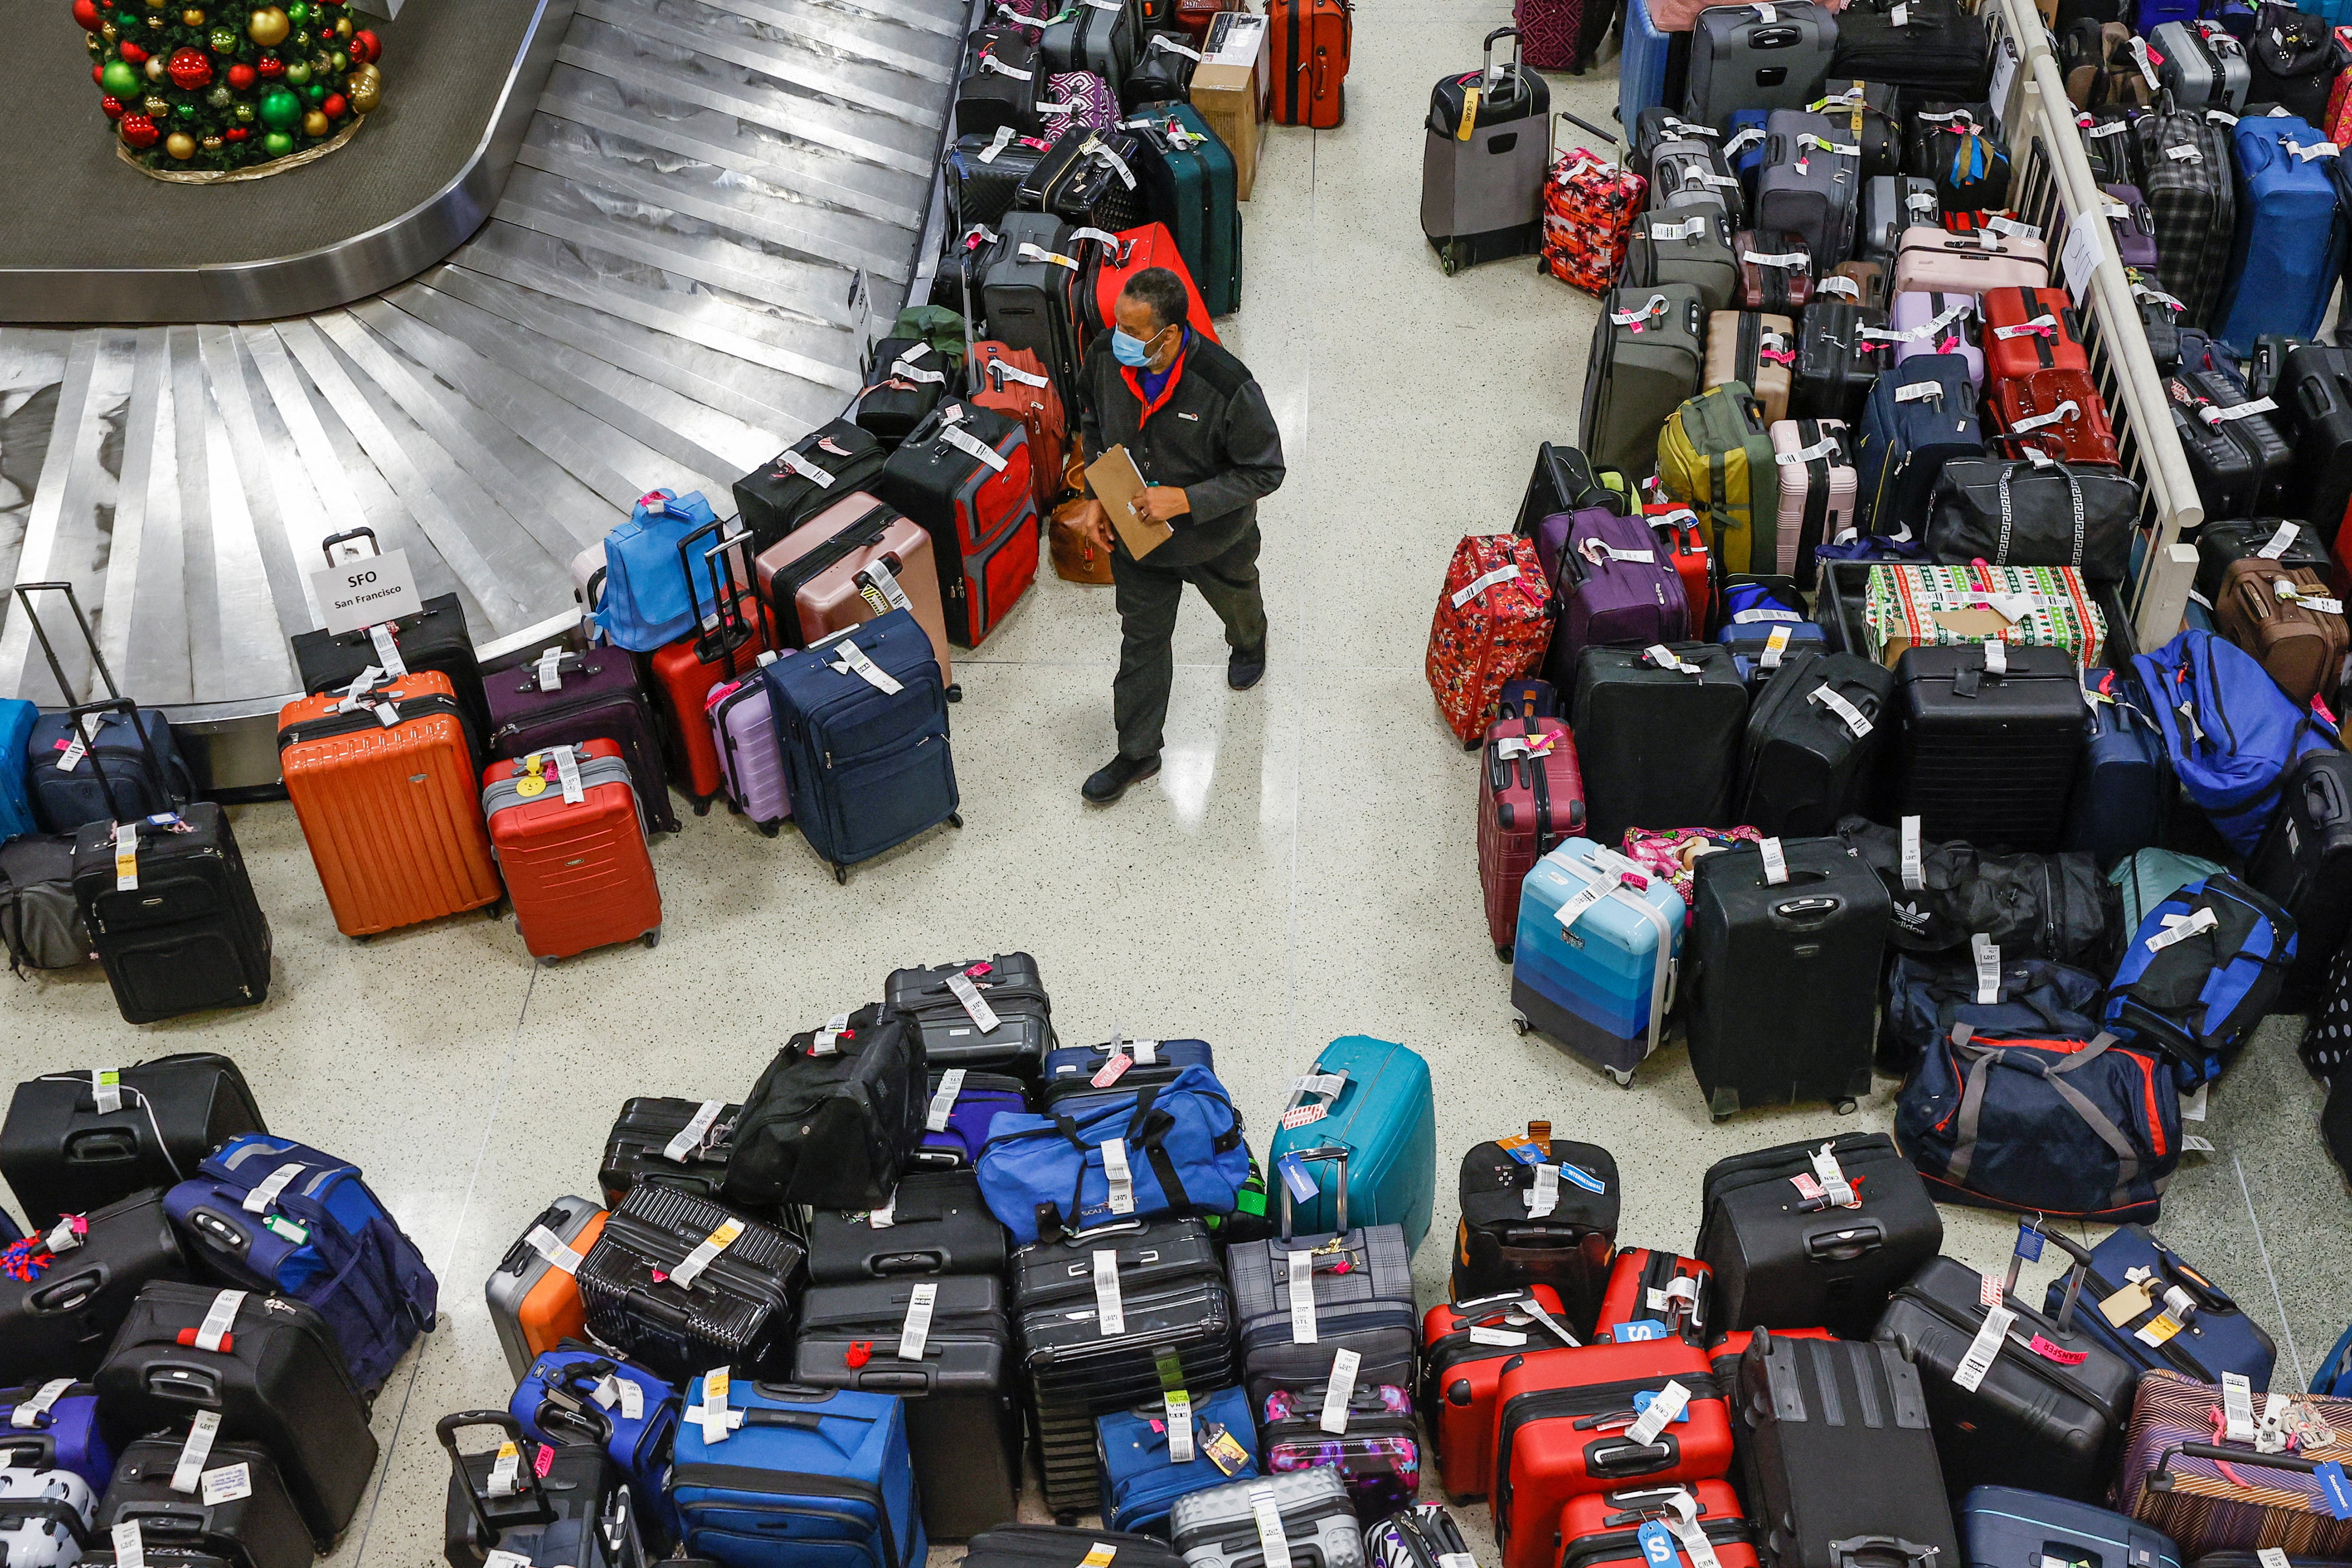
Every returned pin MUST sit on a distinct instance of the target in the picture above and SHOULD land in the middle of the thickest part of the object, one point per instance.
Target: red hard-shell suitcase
(578, 870)
(2058, 413)
(1560, 1432)
(963, 476)
(1603, 1529)
(1685, 542)
(1136, 248)
(1530, 796)
(722, 648)
(1311, 42)
(1644, 1287)
(2028, 330)
(1460, 1372)
(1015, 381)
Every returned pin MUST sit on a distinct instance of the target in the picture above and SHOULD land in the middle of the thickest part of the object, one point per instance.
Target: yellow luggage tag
(533, 781)
(1469, 114)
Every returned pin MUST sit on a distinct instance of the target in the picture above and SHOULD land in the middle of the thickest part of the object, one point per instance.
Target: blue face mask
(1129, 350)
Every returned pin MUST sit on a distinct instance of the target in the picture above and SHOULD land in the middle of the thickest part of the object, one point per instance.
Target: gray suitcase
(1689, 244)
(1362, 1285)
(1691, 173)
(1218, 1528)
(2204, 67)
(1099, 36)
(1482, 197)
(1808, 186)
(1634, 382)
(1739, 60)
(1891, 204)
(521, 1269)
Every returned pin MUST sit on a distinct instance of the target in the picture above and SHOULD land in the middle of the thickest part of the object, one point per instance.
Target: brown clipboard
(1117, 482)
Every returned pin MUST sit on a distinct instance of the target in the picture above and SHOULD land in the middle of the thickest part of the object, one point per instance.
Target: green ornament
(244, 113)
(186, 109)
(316, 92)
(339, 62)
(279, 109)
(120, 79)
(223, 40)
(298, 73)
(277, 143)
(298, 12)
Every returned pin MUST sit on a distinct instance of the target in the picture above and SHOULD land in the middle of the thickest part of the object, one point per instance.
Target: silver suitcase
(1692, 173)
(1482, 195)
(1738, 60)
(524, 1266)
(2204, 66)
(1809, 185)
(1218, 1528)
(1891, 204)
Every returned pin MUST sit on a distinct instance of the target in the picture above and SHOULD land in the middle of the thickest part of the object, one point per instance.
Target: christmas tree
(203, 88)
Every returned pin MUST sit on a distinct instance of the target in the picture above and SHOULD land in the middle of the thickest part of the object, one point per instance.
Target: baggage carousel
(644, 245)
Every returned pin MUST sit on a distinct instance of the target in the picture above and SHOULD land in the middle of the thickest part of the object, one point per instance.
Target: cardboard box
(1232, 86)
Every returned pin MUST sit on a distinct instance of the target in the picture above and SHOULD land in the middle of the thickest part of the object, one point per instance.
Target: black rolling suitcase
(985, 172)
(903, 384)
(963, 1413)
(1988, 756)
(1051, 1546)
(805, 478)
(1833, 1441)
(2226, 539)
(2006, 1413)
(77, 1140)
(1087, 180)
(180, 932)
(434, 638)
(1836, 364)
(1501, 1244)
(577, 1512)
(2304, 861)
(59, 1324)
(679, 1144)
(2228, 478)
(1785, 1255)
(1814, 739)
(1005, 986)
(2318, 393)
(735, 1310)
(1780, 979)
(938, 1224)
(277, 1379)
(262, 1529)
(1001, 85)
(1028, 291)
(2256, 434)
(1658, 744)
(834, 1117)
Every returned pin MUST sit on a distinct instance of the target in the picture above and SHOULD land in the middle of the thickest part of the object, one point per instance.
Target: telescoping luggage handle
(520, 1475)
(2162, 1480)
(729, 628)
(2019, 1258)
(57, 1511)
(79, 713)
(1301, 1158)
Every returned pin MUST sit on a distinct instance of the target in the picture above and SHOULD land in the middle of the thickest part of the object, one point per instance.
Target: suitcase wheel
(841, 874)
(956, 817)
(1519, 1021)
(733, 809)
(955, 693)
(1845, 1108)
(702, 806)
(1622, 1076)
(1503, 952)
(771, 829)
(651, 938)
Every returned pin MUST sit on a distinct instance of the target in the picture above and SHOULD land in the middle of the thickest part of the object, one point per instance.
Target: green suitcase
(1188, 176)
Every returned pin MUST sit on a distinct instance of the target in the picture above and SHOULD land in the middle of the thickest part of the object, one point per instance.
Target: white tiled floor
(1302, 868)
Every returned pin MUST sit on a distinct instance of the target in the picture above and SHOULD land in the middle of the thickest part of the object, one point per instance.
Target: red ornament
(132, 55)
(112, 106)
(139, 131)
(189, 70)
(334, 107)
(235, 133)
(85, 13)
(240, 77)
(272, 67)
(97, 74)
(365, 46)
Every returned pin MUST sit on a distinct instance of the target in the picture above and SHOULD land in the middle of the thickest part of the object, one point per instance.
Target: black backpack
(2292, 57)
(834, 1119)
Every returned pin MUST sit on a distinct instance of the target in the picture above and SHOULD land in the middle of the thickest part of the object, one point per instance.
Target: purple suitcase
(1947, 324)
(750, 760)
(2135, 231)
(986, 1096)
(1084, 99)
(1614, 584)
(596, 697)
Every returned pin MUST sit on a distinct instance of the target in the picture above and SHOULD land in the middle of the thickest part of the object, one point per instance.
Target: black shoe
(1247, 666)
(1109, 781)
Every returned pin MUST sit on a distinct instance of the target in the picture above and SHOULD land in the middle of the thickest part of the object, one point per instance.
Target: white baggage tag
(690, 1138)
(2220, 116)
(386, 714)
(1014, 373)
(1900, 16)
(106, 1088)
(884, 1217)
(1665, 1405)
(853, 661)
(2000, 223)
(506, 1560)
(1683, 1523)
(1776, 864)
(2106, 128)
(227, 1484)
(1831, 1176)
(130, 1549)
(551, 670)
(2238, 1407)
(1272, 1543)
(1748, 138)
(2271, 1556)
(28, 1415)
(1918, 391)
(1116, 1172)
(1775, 645)
(972, 445)
(879, 586)
(2313, 149)
(1666, 658)
(1111, 1312)
(2180, 928)
(975, 1007)
(608, 1393)
(1037, 253)
(1118, 164)
(2275, 547)
(989, 62)
(63, 1237)
(1339, 1389)
(2138, 48)
(1571, 908)
(1162, 41)
(1302, 1298)
(1983, 1349)
(1482, 1335)
(2184, 153)
(1915, 873)
(1177, 1408)
(1145, 1052)
(935, 1119)
(804, 467)
(2240, 411)
(1821, 448)
(998, 143)
(506, 1471)
(1766, 13)
(2319, 603)
(387, 652)
(1854, 722)
(195, 1450)
(218, 1319)
(1987, 953)
(712, 1414)
(2066, 410)
(126, 856)
(1996, 654)
(1633, 318)
(1846, 287)
(1689, 229)
(1776, 258)
(567, 775)
(907, 371)
(1472, 589)
(916, 1331)
(272, 1186)
(1544, 1196)
(708, 1249)
(78, 745)
(2192, 1106)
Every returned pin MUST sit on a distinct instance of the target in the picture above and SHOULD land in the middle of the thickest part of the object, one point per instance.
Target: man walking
(1198, 428)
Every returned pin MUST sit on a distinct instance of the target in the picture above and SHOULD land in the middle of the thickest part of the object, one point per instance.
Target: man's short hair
(1163, 292)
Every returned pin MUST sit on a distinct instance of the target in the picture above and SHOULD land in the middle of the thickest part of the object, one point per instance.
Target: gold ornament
(108, 31)
(342, 26)
(154, 67)
(179, 145)
(156, 106)
(192, 18)
(244, 114)
(314, 124)
(366, 86)
(213, 144)
(268, 26)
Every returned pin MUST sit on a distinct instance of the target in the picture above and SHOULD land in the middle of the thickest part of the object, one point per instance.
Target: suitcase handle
(1851, 1552)
(89, 638)
(148, 764)
(1303, 1156)
(806, 1420)
(327, 545)
(527, 1483)
(1843, 1244)
(2161, 1481)
(57, 1512)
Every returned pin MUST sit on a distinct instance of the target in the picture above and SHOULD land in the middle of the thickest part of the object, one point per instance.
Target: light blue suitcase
(1596, 985)
(1383, 1117)
(1641, 69)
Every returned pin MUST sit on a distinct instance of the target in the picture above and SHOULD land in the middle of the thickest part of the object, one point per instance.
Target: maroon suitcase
(594, 695)
(1528, 801)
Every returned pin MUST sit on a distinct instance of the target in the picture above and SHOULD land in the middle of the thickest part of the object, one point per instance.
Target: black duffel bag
(2054, 907)
(834, 1120)
(2030, 513)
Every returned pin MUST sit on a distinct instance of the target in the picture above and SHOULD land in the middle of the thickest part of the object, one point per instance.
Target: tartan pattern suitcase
(1493, 624)
(578, 871)
(1589, 209)
(2185, 174)
(1361, 1285)
(586, 696)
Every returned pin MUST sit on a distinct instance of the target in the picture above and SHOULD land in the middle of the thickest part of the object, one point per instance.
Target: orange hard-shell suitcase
(577, 869)
(386, 792)
(809, 577)
(535, 1300)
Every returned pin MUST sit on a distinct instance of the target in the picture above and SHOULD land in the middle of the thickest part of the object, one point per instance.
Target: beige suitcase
(1752, 347)
(809, 577)
(1935, 261)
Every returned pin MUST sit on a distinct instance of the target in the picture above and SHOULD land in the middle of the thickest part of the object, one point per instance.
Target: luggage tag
(506, 1471)
(1637, 1331)
(567, 776)
(1830, 700)
(228, 1484)
(212, 1334)
(1099, 1555)
(1832, 1178)
(1223, 1450)
(935, 1119)
(1689, 229)
(1337, 1389)
(1637, 321)
(1478, 586)
(975, 1007)
(705, 1251)
(387, 651)
(712, 1414)
(2275, 547)
(2218, 416)
(1272, 1543)
(2335, 1491)
(915, 1331)
(1826, 447)
(1915, 873)
(1752, 136)
(884, 1217)
(1987, 954)
(198, 1448)
(695, 1135)
(1293, 1174)
(1985, 1347)
(130, 1547)
(270, 1189)
(1776, 864)
(550, 669)
(988, 61)
(1116, 1061)
(1544, 1196)
(126, 856)
(2307, 152)
(1996, 656)
(1120, 1179)
(2237, 1407)
(1462, 132)
(1327, 1086)
(2065, 411)
(1846, 287)
(1671, 1403)
(2319, 603)
(1176, 1406)
(1302, 1298)
(29, 1416)
(1683, 1523)
(2180, 928)
(1110, 1312)
(879, 586)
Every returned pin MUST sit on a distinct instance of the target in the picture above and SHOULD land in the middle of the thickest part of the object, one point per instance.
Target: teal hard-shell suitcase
(1188, 176)
(1383, 1115)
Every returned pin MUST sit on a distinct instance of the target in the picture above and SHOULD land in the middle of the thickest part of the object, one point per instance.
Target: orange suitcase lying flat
(393, 812)
(577, 869)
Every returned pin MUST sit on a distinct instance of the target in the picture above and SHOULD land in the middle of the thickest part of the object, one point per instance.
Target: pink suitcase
(1932, 260)
(743, 728)
(1815, 457)
(1946, 324)
(811, 576)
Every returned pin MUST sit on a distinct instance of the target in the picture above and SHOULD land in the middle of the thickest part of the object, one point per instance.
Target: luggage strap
(1983, 1059)
(1609, 870)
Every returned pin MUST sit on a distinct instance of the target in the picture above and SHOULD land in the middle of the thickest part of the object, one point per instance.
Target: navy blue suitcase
(1070, 1071)
(1140, 1483)
(812, 1476)
(2124, 789)
(1907, 441)
(868, 768)
(2215, 1335)
(573, 1394)
(64, 799)
(2002, 1527)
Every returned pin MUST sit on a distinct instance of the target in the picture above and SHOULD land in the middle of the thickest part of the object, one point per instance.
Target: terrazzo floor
(1302, 868)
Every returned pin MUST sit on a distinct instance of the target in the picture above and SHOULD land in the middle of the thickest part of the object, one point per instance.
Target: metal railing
(2050, 183)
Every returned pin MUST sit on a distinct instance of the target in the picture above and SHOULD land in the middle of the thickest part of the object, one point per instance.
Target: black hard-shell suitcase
(2223, 540)
(939, 1224)
(810, 475)
(2033, 1420)
(638, 1148)
(1002, 87)
(1833, 1441)
(739, 1312)
(1087, 180)
(1051, 1546)
(1815, 736)
(2228, 478)
(1836, 365)
(2257, 434)
(61, 1154)
(1779, 981)
(1176, 1302)
(434, 638)
(1787, 1259)
(577, 1513)
(59, 1324)
(1029, 297)
(833, 1119)
(263, 1528)
(188, 934)
(960, 1389)
(2304, 861)
(2317, 388)
(1989, 758)
(1658, 748)
(1501, 1245)
(985, 171)
(278, 1380)
(1009, 987)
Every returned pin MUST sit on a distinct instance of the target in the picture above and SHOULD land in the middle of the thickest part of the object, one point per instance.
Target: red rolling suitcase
(1685, 542)
(1649, 1287)
(1603, 1529)
(1312, 40)
(2028, 330)
(1014, 381)
(963, 477)
(1563, 1427)
(1465, 1346)
(570, 841)
(722, 648)
(1530, 796)
(1136, 248)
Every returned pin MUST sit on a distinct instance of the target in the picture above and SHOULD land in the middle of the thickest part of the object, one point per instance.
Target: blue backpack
(2231, 733)
(2197, 997)
(1182, 1143)
(811, 1477)
(1907, 441)
(1139, 1483)
(17, 718)
(573, 1393)
(316, 1235)
(646, 601)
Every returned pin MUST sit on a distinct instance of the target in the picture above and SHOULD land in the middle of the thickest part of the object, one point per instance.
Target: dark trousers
(1220, 561)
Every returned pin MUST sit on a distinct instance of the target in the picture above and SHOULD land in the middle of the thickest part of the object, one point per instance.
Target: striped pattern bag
(2172, 1480)
(1939, 607)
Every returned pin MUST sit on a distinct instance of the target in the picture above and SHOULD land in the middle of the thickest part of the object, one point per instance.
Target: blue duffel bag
(1926, 995)
(2202, 970)
(2231, 733)
(577, 1393)
(810, 1476)
(1181, 1143)
(2214, 1336)
(1140, 1483)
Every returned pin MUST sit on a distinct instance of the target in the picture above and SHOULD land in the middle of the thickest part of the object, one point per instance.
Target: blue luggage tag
(1585, 1178)
(1644, 1398)
(2029, 1242)
(1640, 1328)
(1293, 1171)
(1657, 1544)
(1526, 1153)
(2335, 1491)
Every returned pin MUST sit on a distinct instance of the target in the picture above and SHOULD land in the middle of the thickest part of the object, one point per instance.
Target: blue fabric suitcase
(1138, 1483)
(573, 1394)
(812, 1478)
(1907, 441)
(1641, 69)
(1743, 144)
(2289, 242)
(2002, 1527)
(2124, 790)
(59, 1433)
(63, 801)
(1069, 1071)
(2215, 1335)
(17, 718)
(1383, 1117)
(2333, 1377)
(868, 769)
(1598, 985)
